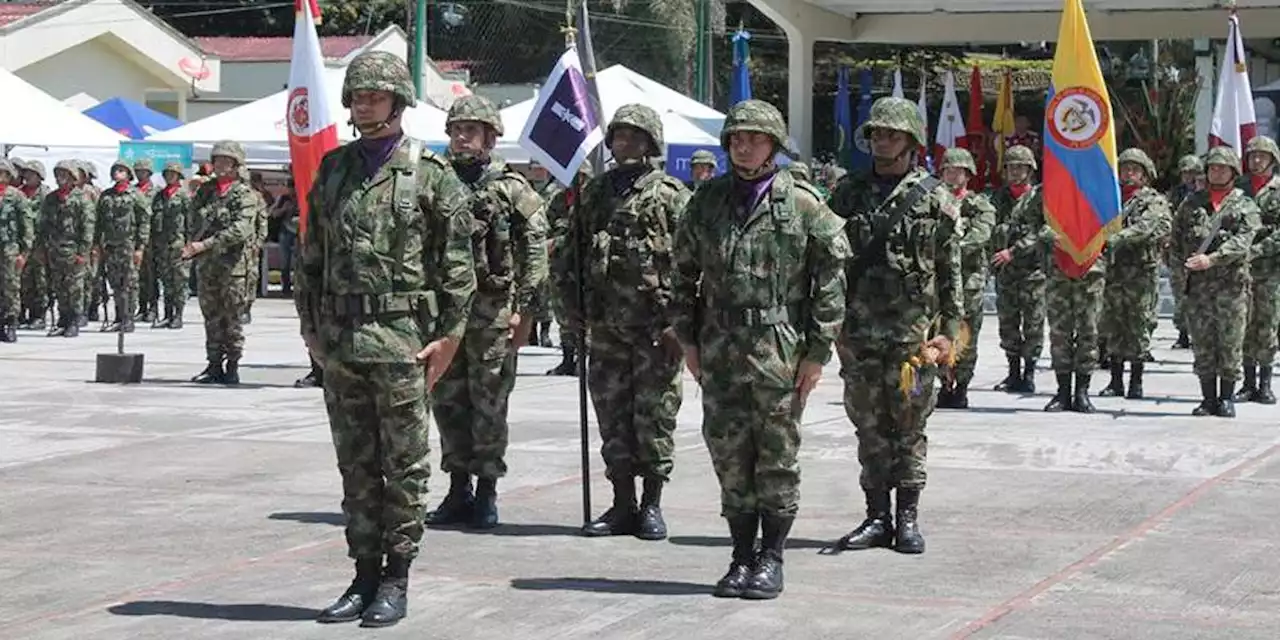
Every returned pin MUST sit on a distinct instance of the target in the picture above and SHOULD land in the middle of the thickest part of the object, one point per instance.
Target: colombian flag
(1081, 191)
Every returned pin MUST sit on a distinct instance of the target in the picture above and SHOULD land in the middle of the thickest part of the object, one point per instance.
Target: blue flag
(861, 148)
(562, 128)
(740, 83)
(843, 120)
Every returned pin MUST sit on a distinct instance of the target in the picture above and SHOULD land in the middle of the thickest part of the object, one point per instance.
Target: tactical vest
(618, 259)
(491, 235)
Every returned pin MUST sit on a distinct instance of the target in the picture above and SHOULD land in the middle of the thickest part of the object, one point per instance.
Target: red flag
(1234, 124)
(975, 131)
(312, 129)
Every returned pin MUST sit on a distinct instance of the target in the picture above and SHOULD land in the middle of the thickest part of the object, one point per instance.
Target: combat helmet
(1020, 155)
(756, 116)
(36, 167)
(1139, 157)
(639, 117)
(1266, 145)
(1225, 156)
(1191, 162)
(896, 114)
(800, 171)
(143, 164)
(229, 149)
(475, 108)
(378, 71)
(8, 168)
(702, 156)
(121, 164)
(175, 167)
(72, 167)
(961, 158)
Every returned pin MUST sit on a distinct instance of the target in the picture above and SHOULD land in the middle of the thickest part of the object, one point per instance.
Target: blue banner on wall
(160, 153)
(678, 156)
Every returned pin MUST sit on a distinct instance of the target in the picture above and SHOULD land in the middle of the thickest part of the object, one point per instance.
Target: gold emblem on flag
(1078, 117)
(299, 112)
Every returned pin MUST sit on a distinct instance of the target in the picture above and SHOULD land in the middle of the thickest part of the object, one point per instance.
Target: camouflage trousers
(1128, 311)
(751, 418)
(892, 445)
(122, 276)
(148, 278)
(35, 288)
(378, 419)
(222, 302)
(470, 404)
(1020, 306)
(636, 390)
(1217, 314)
(968, 360)
(95, 285)
(10, 285)
(67, 280)
(253, 282)
(1264, 319)
(172, 275)
(1074, 307)
(1178, 284)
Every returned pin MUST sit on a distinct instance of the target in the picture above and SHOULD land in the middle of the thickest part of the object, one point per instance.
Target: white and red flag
(951, 126)
(1234, 123)
(312, 130)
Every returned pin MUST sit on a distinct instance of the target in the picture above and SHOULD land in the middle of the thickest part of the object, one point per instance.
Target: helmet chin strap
(370, 129)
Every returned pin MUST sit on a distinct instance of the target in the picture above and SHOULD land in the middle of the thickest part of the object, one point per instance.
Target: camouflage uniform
(1132, 283)
(1259, 347)
(1217, 298)
(1020, 284)
(171, 213)
(1190, 163)
(557, 213)
(35, 277)
(253, 248)
(977, 218)
(226, 212)
(95, 288)
(509, 249)
(16, 238)
(123, 230)
(758, 288)
(898, 293)
(622, 234)
(67, 226)
(701, 158)
(800, 171)
(149, 270)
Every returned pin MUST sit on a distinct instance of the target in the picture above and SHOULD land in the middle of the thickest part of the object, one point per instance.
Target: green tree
(224, 17)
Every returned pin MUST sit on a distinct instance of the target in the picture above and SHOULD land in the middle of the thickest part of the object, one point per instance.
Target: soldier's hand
(21, 262)
(192, 249)
(436, 357)
(1002, 257)
(807, 376)
(942, 346)
(137, 257)
(1199, 262)
(693, 362)
(95, 252)
(671, 343)
(80, 259)
(518, 329)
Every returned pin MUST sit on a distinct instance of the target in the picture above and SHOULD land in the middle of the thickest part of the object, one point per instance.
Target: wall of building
(98, 69)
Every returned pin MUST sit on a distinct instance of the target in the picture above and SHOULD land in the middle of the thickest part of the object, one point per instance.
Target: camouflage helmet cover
(1139, 157)
(1192, 163)
(35, 166)
(175, 167)
(1020, 155)
(378, 71)
(72, 167)
(475, 108)
(121, 164)
(756, 116)
(229, 149)
(8, 167)
(143, 164)
(1266, 145)
(702, 156)
(1225, 156)
(640, 117)
(961, 158)
(896, 114)
(801, 171)
(18, 164)
(82, 169)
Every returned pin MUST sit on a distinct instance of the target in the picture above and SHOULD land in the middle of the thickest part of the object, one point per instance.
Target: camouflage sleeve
(26, 226)
(1268, 246)
(826, 253)
(676, 203)
(1035, 230)
(454, 268)
(308, 276)
(529, 226)
(1152, 226)
(1236, 247)
(240, 231)
(981, 223)
(947, 266)
(141, 223)
(85, 211)
(686, 272)
(567, 252)
(1000, 228)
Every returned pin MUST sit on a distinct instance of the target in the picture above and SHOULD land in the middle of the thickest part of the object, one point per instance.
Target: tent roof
(30, 117)
(131, 119)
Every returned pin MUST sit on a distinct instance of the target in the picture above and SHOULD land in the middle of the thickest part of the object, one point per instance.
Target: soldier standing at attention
(1132, 267)
(35, 277)
(702, 167)
(95, 288)
(977, 218)
(253, 248)
(148, 272)
(558, 200)
(171, 211)
(226, 206)
(124, 235)
(383, 288)
(16, 237)
(1020, 279)
(1191, 172)
(67, 219)
(758, 300)
(625, 223)
(1259, 349)
(509, 248)
(1214, 229)
(905, 280)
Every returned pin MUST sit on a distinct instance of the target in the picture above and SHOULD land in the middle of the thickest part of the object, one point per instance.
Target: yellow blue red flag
(1081, 190)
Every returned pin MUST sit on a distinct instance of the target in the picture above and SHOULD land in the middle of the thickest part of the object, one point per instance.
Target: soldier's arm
(1036, 232)
(826, 255)
(1270, 244)
(950, 277)
(686, 272)
(677, 202)
(568, 250)
(141, 223)
(241, 228)
(26, 226)
(86, 211)
(1237, 245)
(1153, 225)
(529, 228)
(309, 274)
(980, 224)
(455, 271)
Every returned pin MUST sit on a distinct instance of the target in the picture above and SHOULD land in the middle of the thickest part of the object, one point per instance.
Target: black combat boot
(1115, 388)
(231, 376)
(175, 322)
(742, 530)
(93, 314)
(1028, 376)
(126, 325)
(1012, 381)
(36, 322)
(59, 327)
(876, 530)
(960, 396)
(312, 379)
(1080, 403)
(1135, 380)
(766, 576)
(391, 603)
(9, 330)
(544, 334)
(72, 329)
(1264, 395)
(620, 519)
(1209, 394)
(150, 314)
(352, 603)
(458, 504)
(1147, 356)
(1250, 386)
(1226, 396)
(1104, 357)
(484, 515)
(568, 364)
(907, 537)
(1183, 341)
(246, 318)
(1062, 401)
(162, 322)
(650, 525)
(212, 374)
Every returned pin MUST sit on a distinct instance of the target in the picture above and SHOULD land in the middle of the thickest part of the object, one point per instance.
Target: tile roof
(12, 11)
(246, 49)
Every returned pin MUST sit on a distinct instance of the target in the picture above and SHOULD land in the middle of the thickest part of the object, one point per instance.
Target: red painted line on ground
(1134, 534)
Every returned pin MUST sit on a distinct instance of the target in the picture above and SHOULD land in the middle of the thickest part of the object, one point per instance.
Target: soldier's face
(956, 177)
(30, 178)
(1189, 177)
(6, 178)
(1132, 174)
(629, 143)
(1259, 162)
(119, 174)
(887, 145)
(750, 150)
(1201, 182)
(1018, 173)
(369, 109)
(470, 138)
(144, 175)
(702, 172)
(172, 177)
(224, 167)
(64, 178)
(1220, 175)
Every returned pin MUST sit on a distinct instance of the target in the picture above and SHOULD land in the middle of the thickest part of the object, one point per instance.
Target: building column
(1205, 95)
(800, 92)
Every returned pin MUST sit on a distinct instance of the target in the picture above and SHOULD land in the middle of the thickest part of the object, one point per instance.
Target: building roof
(13, 11)
(273, 49)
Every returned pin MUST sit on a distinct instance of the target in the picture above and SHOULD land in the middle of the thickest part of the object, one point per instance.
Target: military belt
(369, 305)
(754, 316)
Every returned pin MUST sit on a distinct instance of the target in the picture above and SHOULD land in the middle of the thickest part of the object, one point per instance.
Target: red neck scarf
(170, 189)
(63, 192)
(1259, 181)
(1217, 195)
(1019, 190)
(1127, 191)
(144, 187)
(122, 186)
(30, 191)
(960, 191)
(223, 184)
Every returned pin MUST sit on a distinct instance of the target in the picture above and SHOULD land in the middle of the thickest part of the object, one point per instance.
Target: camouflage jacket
(35, 208)
(17, 234)
(1229, 248)
(625, 243)
(1017, 219)
(783, 263)
(385, 266)
(508, 243)
(1265, 253)
(253, 248)
(66, 223)
(977, 220)
(1146, 220)
(1179, 193)
(124, 220)
(226, 226)
(172, 216)
(917, 284)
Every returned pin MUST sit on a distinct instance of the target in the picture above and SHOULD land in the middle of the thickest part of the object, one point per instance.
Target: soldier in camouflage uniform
(225, 207)
(1214, 229)
(1132, 267)
(67, 220)
(16, 238)
(383, 288)
(171, 212)
(253, 248)
(625, 223)
(123, 237)
(148, 272)
(35, 277)
(906, 292)
(757, 304)
(1020, 278)
(702, 167)
(1191, 172)
(557, 216)
(509, 248)
(1263, 156)
(95, 287)
(977, 218)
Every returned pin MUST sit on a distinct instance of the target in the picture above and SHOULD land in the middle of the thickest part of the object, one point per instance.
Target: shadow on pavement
(513, 529)
(608, 585)
(170, 382)
(209, 611)
(715, 541)
(310, 517)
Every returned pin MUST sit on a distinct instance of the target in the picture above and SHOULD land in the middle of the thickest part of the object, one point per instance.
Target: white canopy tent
(261, 128)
